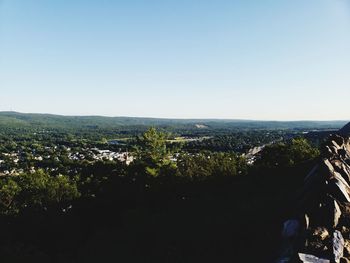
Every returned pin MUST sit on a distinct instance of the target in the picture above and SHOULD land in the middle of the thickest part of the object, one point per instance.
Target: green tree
(301, 151)
(205, 164)
(36, 191)
(151, 151)
(61, 189)
(287, 154)
(9, 191)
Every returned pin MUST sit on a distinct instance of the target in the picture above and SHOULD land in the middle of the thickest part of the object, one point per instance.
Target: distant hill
(32, 120)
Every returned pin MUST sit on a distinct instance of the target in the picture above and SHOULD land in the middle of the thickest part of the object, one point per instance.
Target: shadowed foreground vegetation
(203, 207)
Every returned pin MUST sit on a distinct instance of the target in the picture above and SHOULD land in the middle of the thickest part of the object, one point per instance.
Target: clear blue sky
(251, 59)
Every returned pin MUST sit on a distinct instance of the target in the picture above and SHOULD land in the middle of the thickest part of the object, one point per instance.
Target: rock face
(320, 229)
(345, 131)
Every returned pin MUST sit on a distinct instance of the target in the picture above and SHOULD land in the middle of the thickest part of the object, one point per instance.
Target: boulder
(345, 131)
(322, 214)
(336, 214)
(308, 258)
(338, 246)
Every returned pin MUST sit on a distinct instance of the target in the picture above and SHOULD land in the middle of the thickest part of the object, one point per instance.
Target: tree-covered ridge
(15, 119)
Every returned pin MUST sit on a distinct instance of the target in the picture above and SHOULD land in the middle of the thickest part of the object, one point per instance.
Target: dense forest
(147, 194)
(132, 124)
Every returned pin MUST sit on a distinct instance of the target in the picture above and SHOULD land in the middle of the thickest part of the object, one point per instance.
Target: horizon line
(176, 118)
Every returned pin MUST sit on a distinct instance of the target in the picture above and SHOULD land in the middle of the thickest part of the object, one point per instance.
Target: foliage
(191, 188)
(151, 151)
(9, 191)
(205, 164)
(287, 154)
(36, 191)
(98, 127)
(152, 145)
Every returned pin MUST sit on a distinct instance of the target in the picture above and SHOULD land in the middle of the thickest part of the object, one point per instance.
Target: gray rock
(338, 246)
(307, 258)
(339, 190)
(345, 131)
(323, 208)
(336, 214)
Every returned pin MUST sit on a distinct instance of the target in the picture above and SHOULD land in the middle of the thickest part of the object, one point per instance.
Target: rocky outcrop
(319, 231)
(345, 131)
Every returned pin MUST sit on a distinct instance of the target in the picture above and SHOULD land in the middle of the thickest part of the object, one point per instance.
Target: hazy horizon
(256, 60)
(170, 118)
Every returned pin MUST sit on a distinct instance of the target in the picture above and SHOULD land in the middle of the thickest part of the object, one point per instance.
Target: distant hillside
(15, 119)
